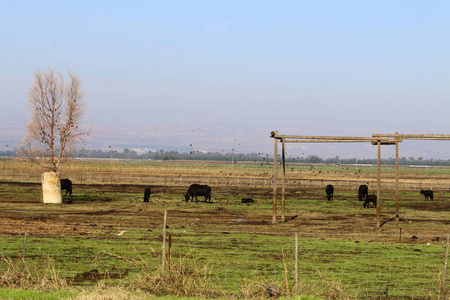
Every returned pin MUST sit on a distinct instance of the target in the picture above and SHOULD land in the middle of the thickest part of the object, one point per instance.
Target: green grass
(103, 293)
(239, 252)
(231, 259)
(20, 294)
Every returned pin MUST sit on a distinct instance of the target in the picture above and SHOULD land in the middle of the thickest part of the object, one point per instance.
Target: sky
(214, 75)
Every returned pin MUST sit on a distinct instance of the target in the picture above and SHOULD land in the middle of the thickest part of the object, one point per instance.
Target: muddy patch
(94, 276)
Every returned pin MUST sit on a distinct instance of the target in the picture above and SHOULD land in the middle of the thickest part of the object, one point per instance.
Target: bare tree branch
(56, 112)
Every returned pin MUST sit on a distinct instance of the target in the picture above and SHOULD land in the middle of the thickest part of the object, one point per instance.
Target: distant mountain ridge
(185, 137)
(180, 137)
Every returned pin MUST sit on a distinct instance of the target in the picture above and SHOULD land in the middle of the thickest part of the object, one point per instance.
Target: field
(228, 248)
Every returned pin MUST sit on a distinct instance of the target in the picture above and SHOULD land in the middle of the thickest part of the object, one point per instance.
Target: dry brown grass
(111, 293)
(179, 279)
(252, 174)
(25, 274)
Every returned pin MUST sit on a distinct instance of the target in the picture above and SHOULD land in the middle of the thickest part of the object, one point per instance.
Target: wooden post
(378, 182)
(444, 290)
(164, 244)
(24, 242)
(397, 204)
(275, 176)
(170, 252)
(283, 184)
(296, 263)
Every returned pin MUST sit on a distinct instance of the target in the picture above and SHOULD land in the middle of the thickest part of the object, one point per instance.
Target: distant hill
(187, 137)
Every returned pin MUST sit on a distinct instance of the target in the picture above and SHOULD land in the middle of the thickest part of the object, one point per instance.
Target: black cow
(427, 194)
(247, 200)
(195, 190)
(363, 191)
(370, 199)
(330, 191)
(147, 195)
(66, 184)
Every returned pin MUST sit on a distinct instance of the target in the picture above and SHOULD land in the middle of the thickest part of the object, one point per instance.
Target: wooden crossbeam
(333, 139)
(414, 136)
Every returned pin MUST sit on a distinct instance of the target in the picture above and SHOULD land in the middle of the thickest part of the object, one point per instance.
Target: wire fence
(234, 261)
(262, 180)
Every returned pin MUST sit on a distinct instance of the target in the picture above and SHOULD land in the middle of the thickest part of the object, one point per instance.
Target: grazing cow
(147, 195)
(363, 191)
(427, 194)
(198, 190)
(66, 184)
(330, 191)
(370, 199)
(247, 200)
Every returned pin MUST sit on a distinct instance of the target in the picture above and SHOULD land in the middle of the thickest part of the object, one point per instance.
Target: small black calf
(66, 184)
(147, 195)
(370, 199)
(427, 194)
(330, 191)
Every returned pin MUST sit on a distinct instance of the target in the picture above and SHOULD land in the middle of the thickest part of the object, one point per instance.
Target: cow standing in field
(427, 194)
(66, 184)
(147, 195)
(195, 190)
(363, 191)
(330, 192)
(370, 199)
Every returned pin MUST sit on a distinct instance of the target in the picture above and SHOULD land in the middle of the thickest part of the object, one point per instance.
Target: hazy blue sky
(247, 67)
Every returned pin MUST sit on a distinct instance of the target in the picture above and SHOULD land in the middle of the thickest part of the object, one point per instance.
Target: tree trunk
(51, 188)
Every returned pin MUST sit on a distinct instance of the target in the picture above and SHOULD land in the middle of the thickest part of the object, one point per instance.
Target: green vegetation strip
(231, 260)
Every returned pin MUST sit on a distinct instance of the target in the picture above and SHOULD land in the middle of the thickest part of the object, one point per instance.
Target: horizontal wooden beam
(414, 136)
(384, 139)
(383, 142)
(331, 139)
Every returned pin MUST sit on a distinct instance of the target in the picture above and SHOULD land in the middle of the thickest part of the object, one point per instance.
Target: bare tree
(56, 111)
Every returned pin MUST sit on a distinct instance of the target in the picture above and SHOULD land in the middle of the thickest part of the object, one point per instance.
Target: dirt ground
(121, 206)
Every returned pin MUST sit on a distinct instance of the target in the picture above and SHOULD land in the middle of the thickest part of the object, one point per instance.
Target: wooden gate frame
(376, 139)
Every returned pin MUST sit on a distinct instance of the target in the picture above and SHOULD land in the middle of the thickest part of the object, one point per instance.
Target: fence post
(443, 289)
(164, 244)
(296, 263)
(170, 252)
(24, 242)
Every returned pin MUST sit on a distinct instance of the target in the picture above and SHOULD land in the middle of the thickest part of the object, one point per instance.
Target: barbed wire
(269, 233)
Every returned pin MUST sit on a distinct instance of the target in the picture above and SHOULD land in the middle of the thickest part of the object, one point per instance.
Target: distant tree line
(388, 161)
(234, 157)
(172, 155)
